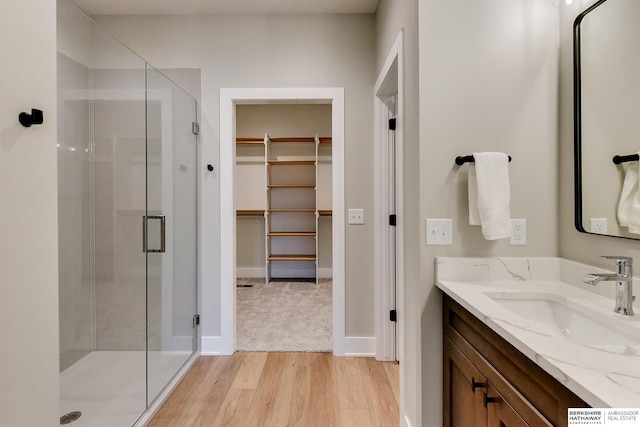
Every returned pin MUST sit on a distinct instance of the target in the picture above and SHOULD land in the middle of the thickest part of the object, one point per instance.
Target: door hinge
(196, 320)
(393, 316)
(392, 220)
(195, 128)
(392, 124)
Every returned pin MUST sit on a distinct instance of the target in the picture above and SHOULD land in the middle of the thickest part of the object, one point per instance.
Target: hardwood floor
(284, 389)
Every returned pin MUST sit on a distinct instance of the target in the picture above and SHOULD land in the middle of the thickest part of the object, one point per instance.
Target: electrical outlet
(599, 225)
(518, 232)
(356, 216)
(439, 231)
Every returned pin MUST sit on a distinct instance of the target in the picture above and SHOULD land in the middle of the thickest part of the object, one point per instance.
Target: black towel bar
(460, 160)
(622, 159)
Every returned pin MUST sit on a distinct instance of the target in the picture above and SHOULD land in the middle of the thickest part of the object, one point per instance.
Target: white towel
(634, 210)
(493, 194)
(474, 215)
(628, 192)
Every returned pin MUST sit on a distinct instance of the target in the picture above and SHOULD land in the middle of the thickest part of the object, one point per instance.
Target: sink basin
(567, 320)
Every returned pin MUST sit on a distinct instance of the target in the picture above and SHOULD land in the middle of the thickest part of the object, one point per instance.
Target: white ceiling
(224, 7)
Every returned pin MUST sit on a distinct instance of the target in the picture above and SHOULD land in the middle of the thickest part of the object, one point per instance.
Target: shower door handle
(145, 233)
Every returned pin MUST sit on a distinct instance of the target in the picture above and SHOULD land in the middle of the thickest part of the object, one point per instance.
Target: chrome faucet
(624, 283)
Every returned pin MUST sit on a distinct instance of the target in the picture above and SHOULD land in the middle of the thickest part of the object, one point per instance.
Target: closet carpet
(283, 316)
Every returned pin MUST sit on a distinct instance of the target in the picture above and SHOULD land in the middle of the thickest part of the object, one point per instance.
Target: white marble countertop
(602, 375)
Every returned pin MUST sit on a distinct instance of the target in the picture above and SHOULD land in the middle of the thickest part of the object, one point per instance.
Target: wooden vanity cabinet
(501, 414)
(463, 390)
(488, 382)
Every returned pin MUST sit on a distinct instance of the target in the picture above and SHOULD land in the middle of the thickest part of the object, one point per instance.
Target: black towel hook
(460, 160)
(35, 118)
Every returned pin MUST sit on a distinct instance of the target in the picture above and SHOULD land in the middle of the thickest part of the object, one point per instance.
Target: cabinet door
(499, 412)
(464, 388)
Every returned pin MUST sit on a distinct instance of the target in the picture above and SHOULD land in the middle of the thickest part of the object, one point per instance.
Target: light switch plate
(356, 216)
(439, 231)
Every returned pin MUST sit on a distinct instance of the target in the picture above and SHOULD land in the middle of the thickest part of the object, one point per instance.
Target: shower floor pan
(109, 387)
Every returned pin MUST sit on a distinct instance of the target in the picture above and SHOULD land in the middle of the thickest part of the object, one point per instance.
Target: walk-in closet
(283, 224)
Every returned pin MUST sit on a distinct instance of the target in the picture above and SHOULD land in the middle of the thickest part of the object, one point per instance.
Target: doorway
(388, 202)
(229, 100)
(283, 227)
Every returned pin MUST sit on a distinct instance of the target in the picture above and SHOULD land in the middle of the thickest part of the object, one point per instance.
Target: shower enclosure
(127, 161)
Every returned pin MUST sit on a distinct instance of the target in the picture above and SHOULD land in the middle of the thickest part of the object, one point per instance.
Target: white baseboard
(258, 273)
(250, 272)
(215, 346)
(353, 346)
(325, 273)
(297, 271)
(360, 346)
(280, 272)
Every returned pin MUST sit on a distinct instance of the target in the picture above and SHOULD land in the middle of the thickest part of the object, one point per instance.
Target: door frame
(389, 87)
(229, 98)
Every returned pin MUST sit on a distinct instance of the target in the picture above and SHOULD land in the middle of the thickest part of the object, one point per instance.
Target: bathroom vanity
(524, 340)
(489, 382)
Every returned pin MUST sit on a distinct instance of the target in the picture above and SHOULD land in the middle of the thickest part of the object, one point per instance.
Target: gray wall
(29, 217)
(488, 82)
(392, 17)
(274, 51)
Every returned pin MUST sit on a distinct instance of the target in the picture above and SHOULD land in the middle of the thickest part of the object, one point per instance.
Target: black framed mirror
(607, 118)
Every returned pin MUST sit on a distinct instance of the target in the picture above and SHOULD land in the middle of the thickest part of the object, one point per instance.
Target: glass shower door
(170, 230)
